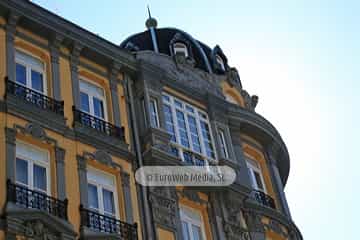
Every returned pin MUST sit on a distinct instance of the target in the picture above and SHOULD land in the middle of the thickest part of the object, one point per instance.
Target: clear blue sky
(301, 59)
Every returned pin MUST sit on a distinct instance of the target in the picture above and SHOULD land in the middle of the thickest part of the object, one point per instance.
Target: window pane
(21, 171)
(40, 178)
(196, 230)
(84, 102)
(98, 108)
(185, 230)
(153, 114)
(194, 134)
(169, 122)
(258, 181)
(37, 81)
(20, 74)
(223, 144)
(93, 197)
(205, 131)
(108, 198)
(182, 129)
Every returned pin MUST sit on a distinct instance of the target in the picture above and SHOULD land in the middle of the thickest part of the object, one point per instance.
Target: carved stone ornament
(35, 130)
(235, 232)
(36, 230)
(250, 102)
(191, 195)
(234, 78)
(100, 156)
(163, 207)
(253, 221)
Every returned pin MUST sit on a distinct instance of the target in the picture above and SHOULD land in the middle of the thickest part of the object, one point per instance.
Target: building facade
(79, 115)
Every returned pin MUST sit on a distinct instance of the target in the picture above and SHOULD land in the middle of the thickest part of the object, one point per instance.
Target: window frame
(181, 48)
(157, 120)
(222, 142)
(28, 67)
(30, 171)
(254, 166)
(91, 103)
(191, 221)
(99, 186)
(198, 114)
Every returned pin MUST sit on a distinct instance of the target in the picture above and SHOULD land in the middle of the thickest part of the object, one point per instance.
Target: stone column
(10, 49)
(114, 93)
(10, 153)
(272, 162)
(55, 68)
(60, 172)
(74, 62)
(243, 176)
(125, 181)
(82, 171)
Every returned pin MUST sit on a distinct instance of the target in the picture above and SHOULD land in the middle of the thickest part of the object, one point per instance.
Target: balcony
(263, 199)
(35, 98)
(105, 224)
(98, 124)
(24, 197)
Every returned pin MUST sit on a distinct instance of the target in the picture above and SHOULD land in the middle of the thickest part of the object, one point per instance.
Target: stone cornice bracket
(12, 20)
(114, 71)
(125, 178)
(54, 46)
(75, 54)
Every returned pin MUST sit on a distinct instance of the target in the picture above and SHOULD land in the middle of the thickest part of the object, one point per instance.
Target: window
(154, 117)
(220, 61)
(32, 168)
(256, 177)
(102, 196)
(191, 223)
(223, 145)
(189, 129)
(92, 100)
(180, 49)
(30, 72)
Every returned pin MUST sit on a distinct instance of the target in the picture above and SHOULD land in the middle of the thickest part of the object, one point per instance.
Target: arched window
(220, 61)
(181, 49)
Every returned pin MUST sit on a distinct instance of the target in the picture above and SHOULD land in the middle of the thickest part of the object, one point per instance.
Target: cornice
(70, 31)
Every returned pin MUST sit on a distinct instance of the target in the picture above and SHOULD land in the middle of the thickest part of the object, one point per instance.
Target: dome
(167, 40)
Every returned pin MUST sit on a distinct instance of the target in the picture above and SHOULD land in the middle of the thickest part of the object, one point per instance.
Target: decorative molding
(164, 207)
(191, 195)
(253, 221)
(101, 156)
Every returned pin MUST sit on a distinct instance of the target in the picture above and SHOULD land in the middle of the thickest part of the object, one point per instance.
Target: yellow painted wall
(71, 147)
(164, 234)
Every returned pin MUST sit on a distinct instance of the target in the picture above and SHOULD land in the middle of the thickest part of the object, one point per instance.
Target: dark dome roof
(203, 55)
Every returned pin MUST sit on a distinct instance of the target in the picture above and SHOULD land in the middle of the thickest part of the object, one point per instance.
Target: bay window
(32, 168)
(102, 196)
(191, 224)
(190, 131)
(30, 72)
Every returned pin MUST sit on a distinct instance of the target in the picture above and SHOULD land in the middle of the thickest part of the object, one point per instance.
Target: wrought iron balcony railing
(22, 196)
(106, 224)
(263, 199)
(98, 124)
(34, 97)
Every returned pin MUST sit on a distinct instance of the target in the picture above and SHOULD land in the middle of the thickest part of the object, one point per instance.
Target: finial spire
(150, 22)
(149, 11)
